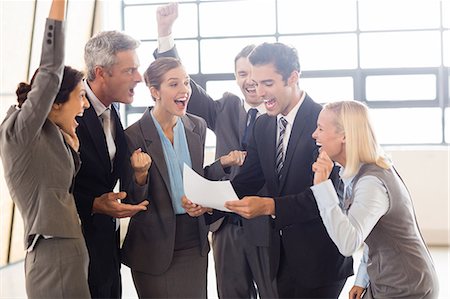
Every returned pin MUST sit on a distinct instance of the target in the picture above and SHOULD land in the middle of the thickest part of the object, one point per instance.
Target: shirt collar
(260, 108)
(348, 180)
(95, 102)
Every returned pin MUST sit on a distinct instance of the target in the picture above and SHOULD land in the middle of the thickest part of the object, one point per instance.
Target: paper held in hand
(208, 194)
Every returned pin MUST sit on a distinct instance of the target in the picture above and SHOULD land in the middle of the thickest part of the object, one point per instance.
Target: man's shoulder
(231, 100)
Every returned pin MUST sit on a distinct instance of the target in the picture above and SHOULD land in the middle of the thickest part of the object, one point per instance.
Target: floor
(12, 277)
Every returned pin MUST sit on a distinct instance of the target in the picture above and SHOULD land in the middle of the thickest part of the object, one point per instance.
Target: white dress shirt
(290, 118)
(348, 232)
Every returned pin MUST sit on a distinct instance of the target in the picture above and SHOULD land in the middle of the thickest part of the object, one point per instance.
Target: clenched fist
(141, 163)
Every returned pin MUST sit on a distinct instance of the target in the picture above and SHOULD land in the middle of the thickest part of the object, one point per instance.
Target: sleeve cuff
(325, 195)
(165, 43)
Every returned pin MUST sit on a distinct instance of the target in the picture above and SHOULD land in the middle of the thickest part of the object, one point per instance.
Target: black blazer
(298, 225)
(94, 179)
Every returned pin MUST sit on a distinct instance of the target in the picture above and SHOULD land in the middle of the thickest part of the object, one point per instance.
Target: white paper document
(210, 194)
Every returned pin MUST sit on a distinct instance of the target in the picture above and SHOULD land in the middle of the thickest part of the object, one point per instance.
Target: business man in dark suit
(112, 65)
(280, 154)
(240, 246)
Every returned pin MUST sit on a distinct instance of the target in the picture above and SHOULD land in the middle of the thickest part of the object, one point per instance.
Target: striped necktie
(280, 152)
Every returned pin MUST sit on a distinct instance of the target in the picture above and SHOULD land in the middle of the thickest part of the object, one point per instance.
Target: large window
(394, 55)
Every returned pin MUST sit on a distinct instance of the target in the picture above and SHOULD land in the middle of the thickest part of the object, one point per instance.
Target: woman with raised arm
(376, 208)
(38, 148)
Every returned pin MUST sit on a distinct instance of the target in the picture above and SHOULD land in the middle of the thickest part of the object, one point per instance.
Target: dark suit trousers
(239, 265)
(185, 278)
(104, 283)
(290, 287)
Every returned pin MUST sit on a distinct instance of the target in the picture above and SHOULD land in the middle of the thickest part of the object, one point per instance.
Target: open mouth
(181, 102)
(251, 90)
(270, 103)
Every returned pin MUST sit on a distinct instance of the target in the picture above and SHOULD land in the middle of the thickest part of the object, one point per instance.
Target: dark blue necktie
(251, 118)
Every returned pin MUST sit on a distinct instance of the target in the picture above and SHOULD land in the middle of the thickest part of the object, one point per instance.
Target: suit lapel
(95, 129)
(119, 140)
(270, 139)
(153, 145)
(194, 143)
(297, 134)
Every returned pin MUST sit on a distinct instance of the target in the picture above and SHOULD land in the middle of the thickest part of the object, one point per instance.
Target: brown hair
(153, 76)
(71, 78)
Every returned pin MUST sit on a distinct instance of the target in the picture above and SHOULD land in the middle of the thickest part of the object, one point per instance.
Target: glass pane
(133, 17)
(216, 88)
(324, 90)
(401, 88)
(447, 125)
(325, 52)
(210, 140)
(132, 118)
(400, 49)
(142, 97)
(145, 54)
(188, 52)
(408, 125)
(446, 41)
(141, 21)
(150, 1)
(446, 13)
(187, 49)
(217, 55)
(399, 14)
(14, 52)
(253, 17)
(302, 16)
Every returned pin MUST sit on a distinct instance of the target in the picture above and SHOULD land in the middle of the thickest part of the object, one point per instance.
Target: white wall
(425, 171)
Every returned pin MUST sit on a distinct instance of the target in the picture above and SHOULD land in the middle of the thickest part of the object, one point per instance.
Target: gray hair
(101, 50)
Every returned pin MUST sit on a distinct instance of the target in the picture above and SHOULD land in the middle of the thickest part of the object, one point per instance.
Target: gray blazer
(39, 166)
(149, 244)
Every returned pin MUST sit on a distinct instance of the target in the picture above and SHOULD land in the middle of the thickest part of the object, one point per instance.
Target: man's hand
(252, 206)
(356, 292)
(193, 209)
(234, 158)
(322, 168)
(165, 17)
(141, 163)
(109, 204)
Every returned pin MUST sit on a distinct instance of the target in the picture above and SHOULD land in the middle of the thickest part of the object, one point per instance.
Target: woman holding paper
(165, 248)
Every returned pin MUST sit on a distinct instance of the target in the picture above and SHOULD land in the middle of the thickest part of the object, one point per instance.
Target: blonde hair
(361, 146)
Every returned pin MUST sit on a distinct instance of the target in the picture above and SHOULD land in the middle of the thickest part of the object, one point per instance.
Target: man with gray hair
(112, 66)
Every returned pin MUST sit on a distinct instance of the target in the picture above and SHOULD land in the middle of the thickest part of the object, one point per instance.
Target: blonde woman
(376, 210)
